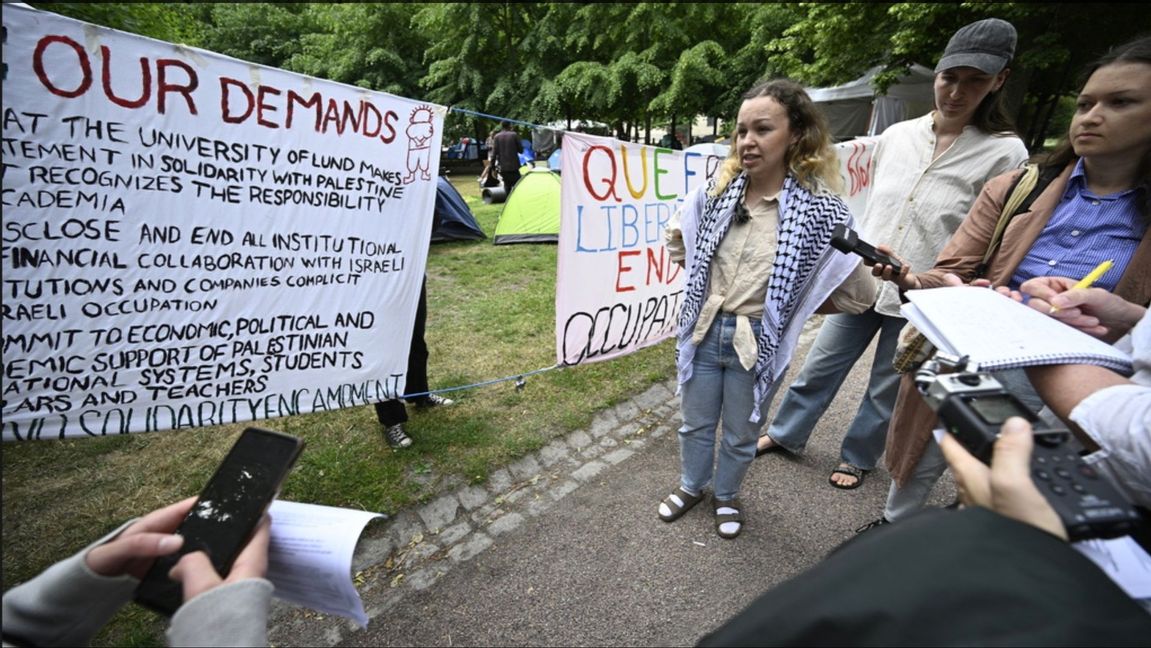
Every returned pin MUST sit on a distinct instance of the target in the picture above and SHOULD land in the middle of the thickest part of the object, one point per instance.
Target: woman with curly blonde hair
(755, 243)
(810, 159)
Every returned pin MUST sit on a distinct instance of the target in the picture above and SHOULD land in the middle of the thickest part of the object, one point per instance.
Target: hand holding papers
(310, 558)
(999, 333)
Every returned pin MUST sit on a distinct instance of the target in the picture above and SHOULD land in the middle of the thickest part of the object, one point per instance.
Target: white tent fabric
(886, 111)
(854, 110)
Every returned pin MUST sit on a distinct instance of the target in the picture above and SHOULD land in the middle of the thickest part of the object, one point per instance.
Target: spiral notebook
(998, 332)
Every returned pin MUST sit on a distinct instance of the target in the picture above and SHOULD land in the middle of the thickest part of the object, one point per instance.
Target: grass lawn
(491, 315)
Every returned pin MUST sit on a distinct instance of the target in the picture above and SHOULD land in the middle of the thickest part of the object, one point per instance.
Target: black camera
(973, 405)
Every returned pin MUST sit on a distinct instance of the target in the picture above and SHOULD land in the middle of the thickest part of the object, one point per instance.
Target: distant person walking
(926, 174)
(490, 176)
(507, 146)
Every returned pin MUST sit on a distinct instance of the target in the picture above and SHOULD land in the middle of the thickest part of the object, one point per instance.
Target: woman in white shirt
(926, 174)
(755, 242)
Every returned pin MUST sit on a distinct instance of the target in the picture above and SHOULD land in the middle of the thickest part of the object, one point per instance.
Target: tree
(371, 45)
(695, 82)
(834, 43)
(175, 22)
(476, 59)
(638, 83)
(259, 32)
(582, 89)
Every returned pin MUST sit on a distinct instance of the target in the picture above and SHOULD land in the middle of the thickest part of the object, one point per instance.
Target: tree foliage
(172, 22)
(833, 43)
(372, 46)
(632, 65)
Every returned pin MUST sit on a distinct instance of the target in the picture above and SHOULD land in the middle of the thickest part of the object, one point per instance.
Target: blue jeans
(719, 389)
(841, 341)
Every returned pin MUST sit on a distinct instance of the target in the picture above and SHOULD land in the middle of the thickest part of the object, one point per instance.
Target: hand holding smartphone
(227, 512)
(847, 240)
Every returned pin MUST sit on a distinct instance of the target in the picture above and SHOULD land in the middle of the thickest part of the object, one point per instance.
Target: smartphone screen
(227, 511)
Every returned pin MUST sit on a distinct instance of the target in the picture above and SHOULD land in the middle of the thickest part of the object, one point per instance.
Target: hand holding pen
(1086, 282)
(1094, 311)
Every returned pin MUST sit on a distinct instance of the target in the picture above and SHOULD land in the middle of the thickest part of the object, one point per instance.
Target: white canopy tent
(854, 110)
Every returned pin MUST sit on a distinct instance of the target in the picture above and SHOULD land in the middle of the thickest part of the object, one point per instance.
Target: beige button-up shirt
(740, 270)
(916, 202)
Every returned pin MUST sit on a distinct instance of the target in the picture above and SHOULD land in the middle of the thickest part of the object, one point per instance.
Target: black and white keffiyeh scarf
(806, 221)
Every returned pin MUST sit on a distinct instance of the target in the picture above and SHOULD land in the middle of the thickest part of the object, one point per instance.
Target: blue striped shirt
(1085, 230)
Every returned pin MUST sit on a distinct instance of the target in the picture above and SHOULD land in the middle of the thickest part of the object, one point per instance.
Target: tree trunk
(1045, 124)
(1056, 93)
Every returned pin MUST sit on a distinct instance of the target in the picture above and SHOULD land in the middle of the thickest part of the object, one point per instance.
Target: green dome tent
(532, 211)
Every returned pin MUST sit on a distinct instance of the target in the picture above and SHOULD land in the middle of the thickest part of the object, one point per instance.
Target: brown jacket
(912, 419)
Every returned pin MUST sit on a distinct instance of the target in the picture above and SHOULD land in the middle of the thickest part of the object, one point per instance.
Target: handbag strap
(1022, 188)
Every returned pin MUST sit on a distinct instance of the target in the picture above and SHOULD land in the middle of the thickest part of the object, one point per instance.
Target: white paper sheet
(310, 557)
(1124, 561)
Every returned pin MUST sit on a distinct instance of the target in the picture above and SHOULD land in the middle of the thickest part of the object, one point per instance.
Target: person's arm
(230, 611)
(1109, 414)
(855, 295)
(1063, 387)
(65, 605)
(673, 239)
(71, 600)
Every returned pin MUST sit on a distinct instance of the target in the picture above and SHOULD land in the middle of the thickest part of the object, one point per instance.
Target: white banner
(617, 290)
(192, 240)
(855, 168)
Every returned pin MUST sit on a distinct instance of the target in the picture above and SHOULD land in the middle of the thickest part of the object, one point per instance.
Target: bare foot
(765, 444)
(846, 476)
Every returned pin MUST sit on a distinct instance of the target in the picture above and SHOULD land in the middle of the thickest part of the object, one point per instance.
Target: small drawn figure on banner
(420, 130)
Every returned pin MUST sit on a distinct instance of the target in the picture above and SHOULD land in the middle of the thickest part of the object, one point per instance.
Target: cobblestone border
(418, 546)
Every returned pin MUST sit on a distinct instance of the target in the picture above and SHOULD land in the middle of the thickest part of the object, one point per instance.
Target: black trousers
(391, 412)
(511, 177)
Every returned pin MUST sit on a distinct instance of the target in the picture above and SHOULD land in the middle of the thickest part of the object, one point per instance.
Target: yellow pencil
(1091, 278)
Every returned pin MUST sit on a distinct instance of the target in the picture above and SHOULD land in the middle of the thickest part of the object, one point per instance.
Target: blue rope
(497, 118)
(519, 378)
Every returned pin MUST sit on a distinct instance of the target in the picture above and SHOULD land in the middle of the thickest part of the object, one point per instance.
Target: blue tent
(554, 160)
(454, 220)
(529, 154)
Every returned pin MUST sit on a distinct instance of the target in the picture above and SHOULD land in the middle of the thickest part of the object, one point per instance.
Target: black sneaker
(873, 524)
(395, 436)
(434, 400)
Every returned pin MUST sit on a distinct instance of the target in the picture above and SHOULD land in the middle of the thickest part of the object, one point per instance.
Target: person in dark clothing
(998, 573)
(507, 146)
(392, 414)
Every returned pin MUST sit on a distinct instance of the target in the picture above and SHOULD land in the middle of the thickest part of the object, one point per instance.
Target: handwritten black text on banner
(191, 240)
